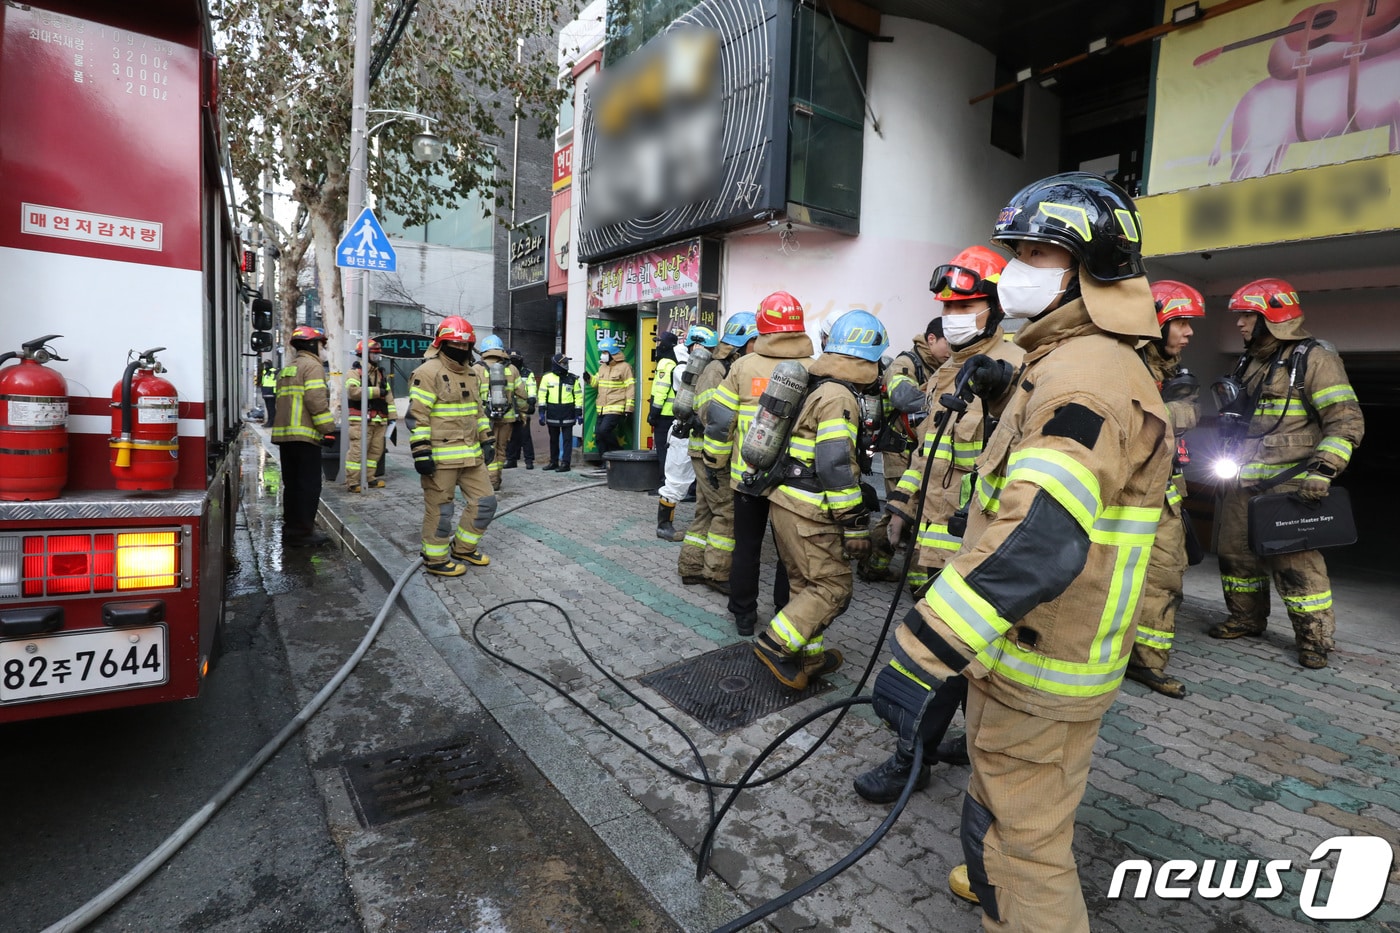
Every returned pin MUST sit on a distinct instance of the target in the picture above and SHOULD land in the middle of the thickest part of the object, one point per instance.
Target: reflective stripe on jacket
(381, 394)
(957, 452)
(445, 406)
(617, 388)
(1041, 602)
(303, 402)
(663, 390)
(1282, 432)
(735, 402)
(823, 441)
(562, 398)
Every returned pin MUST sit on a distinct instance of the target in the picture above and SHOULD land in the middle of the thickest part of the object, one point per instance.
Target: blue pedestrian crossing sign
(365, 246)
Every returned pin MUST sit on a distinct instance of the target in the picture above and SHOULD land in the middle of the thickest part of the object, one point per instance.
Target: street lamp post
(427, 147)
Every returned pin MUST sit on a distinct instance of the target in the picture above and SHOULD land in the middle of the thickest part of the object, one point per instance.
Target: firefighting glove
(986, 377)
(488, 451)
(530, 409)
(916, 704)
(654, 414)
(857, 546)
(1316, 483)
(423, 461)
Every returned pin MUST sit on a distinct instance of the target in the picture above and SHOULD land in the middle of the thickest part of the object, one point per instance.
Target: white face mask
(605, 356)
(1025, 290)
(960, 329)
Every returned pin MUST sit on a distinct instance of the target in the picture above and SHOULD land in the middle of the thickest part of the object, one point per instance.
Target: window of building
(462, 221)
(827, 120)
(633, 23)
(563, 129)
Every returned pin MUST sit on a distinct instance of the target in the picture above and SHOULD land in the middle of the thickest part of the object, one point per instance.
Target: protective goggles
(949, 279)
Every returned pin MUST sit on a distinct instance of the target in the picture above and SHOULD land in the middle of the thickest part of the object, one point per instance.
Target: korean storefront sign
(656, 275)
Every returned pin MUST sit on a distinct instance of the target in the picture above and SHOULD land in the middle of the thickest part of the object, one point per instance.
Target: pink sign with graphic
(658, 275)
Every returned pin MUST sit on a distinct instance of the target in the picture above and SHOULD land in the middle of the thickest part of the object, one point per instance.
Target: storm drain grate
(727, 689)
(405, 782)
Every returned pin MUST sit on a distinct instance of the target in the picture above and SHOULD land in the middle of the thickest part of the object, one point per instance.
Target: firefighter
(522, 440)
(381, 403)
(561, 407)
(616, 398)
(709, 541)
(505, 396)
(819, 512)
(1036, 611)
(663, 392)
(677, 475)
(972, 325)
(269, 388)
(782, 335)
(1177, 304)
(302, 426)
(904, 410)
(452, 443)
(1299, 423)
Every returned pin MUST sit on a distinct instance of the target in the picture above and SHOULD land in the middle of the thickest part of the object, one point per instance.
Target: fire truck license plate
(90, 661)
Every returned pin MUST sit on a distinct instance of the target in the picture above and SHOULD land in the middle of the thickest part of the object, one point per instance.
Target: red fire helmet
(780, 313)
(1176, 299)
(454, 329)
(1273, 298)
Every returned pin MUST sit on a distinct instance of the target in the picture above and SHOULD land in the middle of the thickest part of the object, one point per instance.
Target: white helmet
(830, 321)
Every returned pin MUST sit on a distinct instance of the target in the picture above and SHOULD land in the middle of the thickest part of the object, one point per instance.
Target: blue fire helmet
(740, 329)
(490, 343)
(610, 345)
(701, 335)
(859, 334)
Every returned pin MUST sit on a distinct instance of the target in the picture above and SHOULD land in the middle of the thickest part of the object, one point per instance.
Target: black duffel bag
(1282, 523)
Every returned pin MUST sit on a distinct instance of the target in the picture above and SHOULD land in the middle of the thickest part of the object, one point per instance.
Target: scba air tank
(33, 425)
(684, 403)
(497, 399)
(767, 437)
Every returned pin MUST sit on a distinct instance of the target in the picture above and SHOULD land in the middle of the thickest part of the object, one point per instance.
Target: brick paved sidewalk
(1263, 760)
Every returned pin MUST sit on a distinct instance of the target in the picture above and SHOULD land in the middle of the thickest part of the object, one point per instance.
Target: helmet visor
(949, 280)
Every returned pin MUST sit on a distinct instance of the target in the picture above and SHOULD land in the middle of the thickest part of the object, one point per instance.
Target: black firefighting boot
(785, 665)
(1160, 681)
(665, 513)
(744, 622)
(952, 751)
(885, 783)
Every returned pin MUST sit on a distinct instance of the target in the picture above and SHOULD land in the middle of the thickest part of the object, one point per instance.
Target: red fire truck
(123, 330)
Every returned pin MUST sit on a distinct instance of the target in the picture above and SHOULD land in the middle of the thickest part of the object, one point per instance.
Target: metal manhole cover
(728, 688)
(403, 782)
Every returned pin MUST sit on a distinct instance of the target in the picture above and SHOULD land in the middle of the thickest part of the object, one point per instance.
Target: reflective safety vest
(562, 398)
(663, 389)
(303, 402)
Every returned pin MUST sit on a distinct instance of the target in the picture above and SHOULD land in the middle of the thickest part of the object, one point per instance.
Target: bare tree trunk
(324, 235)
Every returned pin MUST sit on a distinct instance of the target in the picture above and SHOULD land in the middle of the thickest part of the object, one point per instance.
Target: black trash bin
(330, 459)
(633, 470)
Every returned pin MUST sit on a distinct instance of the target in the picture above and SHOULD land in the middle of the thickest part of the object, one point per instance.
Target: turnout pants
(561, 443)
(352, 453)
(439, 490)
(709, 541)
(881, 551)
(1301, 579)
(301, 486)
(503, 431)
(1161, 593)
(1028, 776)
(521, 441)
(819, 576)
(605, 433)
(750, 525)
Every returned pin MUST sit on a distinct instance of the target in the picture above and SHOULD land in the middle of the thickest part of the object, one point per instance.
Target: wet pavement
(1261, 761)
(477, 842)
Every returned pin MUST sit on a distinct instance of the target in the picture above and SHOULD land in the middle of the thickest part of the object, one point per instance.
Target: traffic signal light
(261, 339)
(249, 263)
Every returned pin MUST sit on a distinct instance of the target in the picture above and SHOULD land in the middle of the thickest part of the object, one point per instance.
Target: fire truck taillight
(39, 566)
(147, 560)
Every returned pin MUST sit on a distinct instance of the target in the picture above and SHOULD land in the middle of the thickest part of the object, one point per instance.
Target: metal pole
(514, 166)
(357, 282)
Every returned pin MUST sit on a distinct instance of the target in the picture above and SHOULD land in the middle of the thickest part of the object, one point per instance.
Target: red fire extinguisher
(33, 424)
(145, 442)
